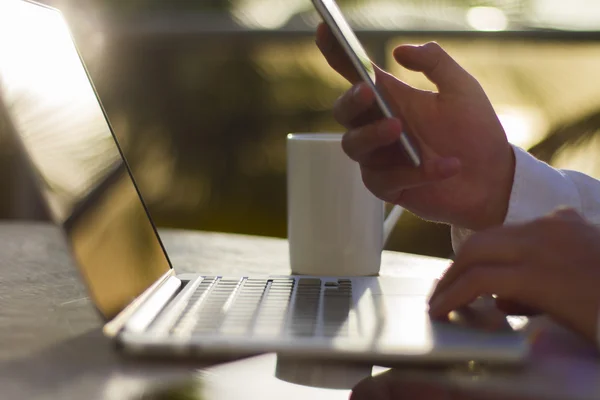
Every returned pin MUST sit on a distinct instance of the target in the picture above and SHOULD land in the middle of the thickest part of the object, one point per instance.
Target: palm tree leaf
(569, 134)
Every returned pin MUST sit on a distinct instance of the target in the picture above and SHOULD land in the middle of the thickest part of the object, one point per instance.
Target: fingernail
(448, 167)
(356, 90)
(435, 305)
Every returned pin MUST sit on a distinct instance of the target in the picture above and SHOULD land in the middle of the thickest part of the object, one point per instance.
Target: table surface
(51, 345)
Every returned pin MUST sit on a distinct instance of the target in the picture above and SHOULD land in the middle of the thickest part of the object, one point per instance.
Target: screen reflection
(351, 38)
(48, 102)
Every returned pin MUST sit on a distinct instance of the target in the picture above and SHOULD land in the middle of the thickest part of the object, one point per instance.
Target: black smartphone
(333, 17)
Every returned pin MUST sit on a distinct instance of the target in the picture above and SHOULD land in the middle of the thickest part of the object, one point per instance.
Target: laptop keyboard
(269, 308)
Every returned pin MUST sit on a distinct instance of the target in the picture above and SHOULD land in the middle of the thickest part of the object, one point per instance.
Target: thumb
(437, 65)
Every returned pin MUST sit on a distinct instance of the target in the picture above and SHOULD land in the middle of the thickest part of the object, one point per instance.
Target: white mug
(336, 226)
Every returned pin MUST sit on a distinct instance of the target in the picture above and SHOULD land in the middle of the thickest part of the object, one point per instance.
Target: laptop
(49, 104)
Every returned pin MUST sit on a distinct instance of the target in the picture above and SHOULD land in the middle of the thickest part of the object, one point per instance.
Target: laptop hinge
(114, 326)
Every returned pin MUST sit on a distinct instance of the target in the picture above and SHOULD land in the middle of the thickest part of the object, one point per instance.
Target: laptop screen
(49, 104)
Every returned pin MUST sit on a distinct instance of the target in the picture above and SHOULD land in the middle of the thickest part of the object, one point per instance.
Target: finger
(482, 280)
(337, 59)
(503, 245)
(352, 104)
(334, 54)
(359, 143)
(510, 307)
(369, 116)
(389, 184)
(393, 88)
(437, 66)
(394, 91)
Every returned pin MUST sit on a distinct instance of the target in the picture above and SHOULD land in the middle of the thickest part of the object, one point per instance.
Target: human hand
(468, 165)
(551, 264)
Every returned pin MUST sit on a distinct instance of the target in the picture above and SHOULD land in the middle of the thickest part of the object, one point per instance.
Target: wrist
(495, 207)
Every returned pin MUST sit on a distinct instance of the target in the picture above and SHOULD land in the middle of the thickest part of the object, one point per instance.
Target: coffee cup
(336, 226)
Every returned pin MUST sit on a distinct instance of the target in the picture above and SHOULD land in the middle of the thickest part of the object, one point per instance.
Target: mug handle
(390, 222)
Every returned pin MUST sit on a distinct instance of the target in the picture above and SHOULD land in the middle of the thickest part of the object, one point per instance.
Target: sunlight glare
(54, 104)
(572, 15)
(22, 67)
(266, 14)
(523, 127)
(487, 19)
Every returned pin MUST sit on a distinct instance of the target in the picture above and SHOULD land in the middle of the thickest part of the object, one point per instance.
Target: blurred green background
(202, 93)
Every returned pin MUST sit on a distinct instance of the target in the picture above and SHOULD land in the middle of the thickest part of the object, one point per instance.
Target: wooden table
(51, 346)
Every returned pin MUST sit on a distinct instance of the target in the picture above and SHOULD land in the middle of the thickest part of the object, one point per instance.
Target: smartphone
(333, 17)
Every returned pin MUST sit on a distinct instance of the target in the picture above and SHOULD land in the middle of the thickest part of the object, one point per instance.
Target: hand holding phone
(333, 17)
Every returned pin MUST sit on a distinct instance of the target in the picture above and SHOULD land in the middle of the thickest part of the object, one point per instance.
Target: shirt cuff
(538, 189)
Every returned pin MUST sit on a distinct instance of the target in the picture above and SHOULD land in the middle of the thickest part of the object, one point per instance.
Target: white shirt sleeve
(538, 189)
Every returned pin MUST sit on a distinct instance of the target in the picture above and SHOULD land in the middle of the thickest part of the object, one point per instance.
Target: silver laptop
(50, 106)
